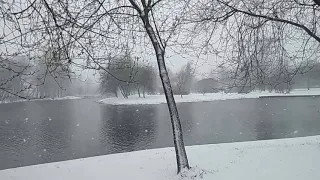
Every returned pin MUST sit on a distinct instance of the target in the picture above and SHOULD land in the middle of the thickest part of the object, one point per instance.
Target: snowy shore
(44, 99)
(294, 159)
(160, 99)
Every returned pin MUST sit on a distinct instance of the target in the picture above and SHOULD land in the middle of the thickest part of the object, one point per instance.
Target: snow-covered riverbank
(44, 99)
(294, 159)
(159, 99)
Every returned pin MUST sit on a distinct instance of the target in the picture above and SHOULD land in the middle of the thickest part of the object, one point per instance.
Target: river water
(48, 131)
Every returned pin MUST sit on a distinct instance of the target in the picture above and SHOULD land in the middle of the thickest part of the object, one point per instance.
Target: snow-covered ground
(44, 99)
(290, 159)
(159, 99)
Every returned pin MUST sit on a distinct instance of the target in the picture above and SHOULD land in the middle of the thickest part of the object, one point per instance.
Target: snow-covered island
(292, 159)
(160, 99)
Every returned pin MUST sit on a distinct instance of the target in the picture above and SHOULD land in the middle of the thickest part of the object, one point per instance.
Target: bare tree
(145, 10)
(261, 43)
(145, 80)
(123, 67)
(15, 77)
(184, 79)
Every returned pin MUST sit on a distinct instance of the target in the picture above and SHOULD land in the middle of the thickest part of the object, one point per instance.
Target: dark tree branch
(307, 30)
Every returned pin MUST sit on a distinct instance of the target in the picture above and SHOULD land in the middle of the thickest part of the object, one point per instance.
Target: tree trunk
(139, 92)
(144, 92)
(123, 92)
(181, 156)
(115, 92)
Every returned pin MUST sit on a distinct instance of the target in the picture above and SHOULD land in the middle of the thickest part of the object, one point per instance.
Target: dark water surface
(47, 131)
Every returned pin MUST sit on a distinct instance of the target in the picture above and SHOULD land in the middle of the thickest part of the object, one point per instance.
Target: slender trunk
(181, 156)
(115, 92)
(181, 95)
(144, 92)
(123, 92)
(138, 91)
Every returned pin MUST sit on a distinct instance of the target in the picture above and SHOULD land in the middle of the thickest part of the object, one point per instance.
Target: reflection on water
(47, 131)
(53, 132)
(126, 129)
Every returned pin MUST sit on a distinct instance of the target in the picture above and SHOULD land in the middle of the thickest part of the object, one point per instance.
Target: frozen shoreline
(160, 99)
(44, 99)
(294, 159)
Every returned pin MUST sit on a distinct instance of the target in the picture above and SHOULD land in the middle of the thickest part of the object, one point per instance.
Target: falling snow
(78, 124)
(146, 130)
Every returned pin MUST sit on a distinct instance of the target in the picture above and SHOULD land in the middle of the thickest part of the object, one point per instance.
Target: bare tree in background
(184, 79)
(145, 80)
(124, 67)
(15, 76)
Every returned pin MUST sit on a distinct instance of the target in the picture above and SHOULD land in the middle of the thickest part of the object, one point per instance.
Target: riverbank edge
(43, 99)
(292, 158)
(160, 99)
